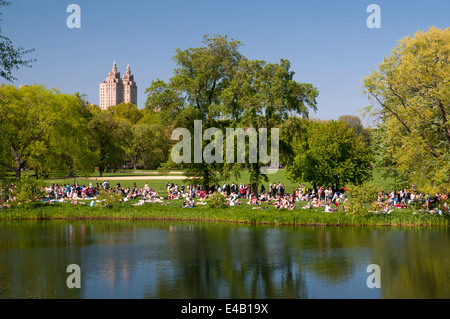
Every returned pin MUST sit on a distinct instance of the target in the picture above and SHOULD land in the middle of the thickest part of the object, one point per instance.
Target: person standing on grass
(322, 194)
(427, 201)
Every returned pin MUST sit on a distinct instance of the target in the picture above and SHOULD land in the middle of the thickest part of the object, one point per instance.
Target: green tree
(410, 98)
(203, 73)
(326, 154)
(108, 138)
(41, 129)
(164, 100)
(264, 95)
(194, 93)
(384, 160)
(23, 120)
(148, 146)
(126, 111)
(11, 57)
(66, 142)
(219, 86)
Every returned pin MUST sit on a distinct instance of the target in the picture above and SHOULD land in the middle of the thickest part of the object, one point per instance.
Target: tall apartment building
(115, 90)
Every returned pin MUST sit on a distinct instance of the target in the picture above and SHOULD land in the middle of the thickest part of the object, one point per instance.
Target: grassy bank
(240, 214)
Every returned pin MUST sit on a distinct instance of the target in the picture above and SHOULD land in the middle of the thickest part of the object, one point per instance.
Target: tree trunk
(17, 170)
(206, 179)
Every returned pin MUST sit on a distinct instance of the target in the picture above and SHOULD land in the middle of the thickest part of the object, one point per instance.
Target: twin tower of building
(115, 90)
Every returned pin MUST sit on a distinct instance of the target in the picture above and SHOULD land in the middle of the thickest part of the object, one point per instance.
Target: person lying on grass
(308, 206)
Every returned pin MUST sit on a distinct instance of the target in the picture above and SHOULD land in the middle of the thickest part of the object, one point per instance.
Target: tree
(264, 95)
(383, 158)
(42, 129)
(108, 138)
(194, 93)
(23, 119)
(164, 99)
(219, 86)
(65, 144)
(203, 73)
(326, 154)
(410, 99)
(11, 57)
(355, 123)
(148, 146)
(126, 111)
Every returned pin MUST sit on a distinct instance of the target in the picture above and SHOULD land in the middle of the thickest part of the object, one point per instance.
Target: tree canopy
(328, 154)
(43, 129)
(410, 94)
(219, 86)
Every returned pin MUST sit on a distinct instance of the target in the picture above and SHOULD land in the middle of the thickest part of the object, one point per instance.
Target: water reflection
(143, 259)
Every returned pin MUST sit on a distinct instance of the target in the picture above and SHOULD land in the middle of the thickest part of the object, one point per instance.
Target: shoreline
(234, 215)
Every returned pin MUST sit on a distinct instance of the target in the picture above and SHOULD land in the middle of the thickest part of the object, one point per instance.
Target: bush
(28, 191)
(217, 200)
(362, 198)
(109, 198)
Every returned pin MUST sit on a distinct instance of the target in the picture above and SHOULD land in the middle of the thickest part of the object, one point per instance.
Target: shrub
(362, 198)
(28, 191)
(217, 200)
(109, 198)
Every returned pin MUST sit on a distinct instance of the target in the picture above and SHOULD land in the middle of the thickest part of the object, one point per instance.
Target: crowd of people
(437, 203)
(322, 197)
(275, 195)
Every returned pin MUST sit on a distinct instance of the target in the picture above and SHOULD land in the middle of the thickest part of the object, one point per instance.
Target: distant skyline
(327, 42)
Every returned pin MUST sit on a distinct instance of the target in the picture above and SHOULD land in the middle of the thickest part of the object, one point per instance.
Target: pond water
(175, 260)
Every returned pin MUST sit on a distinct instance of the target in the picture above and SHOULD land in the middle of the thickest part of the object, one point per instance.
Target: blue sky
(327, 42)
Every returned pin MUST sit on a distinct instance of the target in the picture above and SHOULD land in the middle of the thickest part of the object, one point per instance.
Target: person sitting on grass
(386, 210)
(315, 203)
(290, 205)
(188, 203)
(435, 210)
(253, 201)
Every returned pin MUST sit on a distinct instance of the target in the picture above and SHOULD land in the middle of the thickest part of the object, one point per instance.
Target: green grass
(240, 214)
